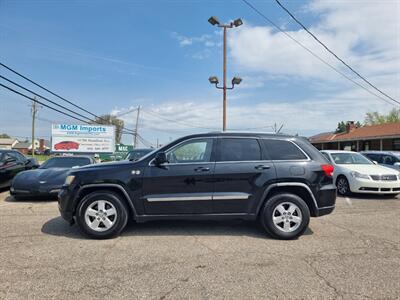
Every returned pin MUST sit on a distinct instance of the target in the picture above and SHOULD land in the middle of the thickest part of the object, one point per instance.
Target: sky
(112, 56)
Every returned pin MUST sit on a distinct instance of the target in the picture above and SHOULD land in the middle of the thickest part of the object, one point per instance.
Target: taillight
(328, 169)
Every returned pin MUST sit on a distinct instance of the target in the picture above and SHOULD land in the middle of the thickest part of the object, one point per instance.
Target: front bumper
(359, 185)
(65, 204)
(35, 192)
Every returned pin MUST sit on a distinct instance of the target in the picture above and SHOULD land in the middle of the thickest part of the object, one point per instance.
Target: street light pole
(224, 90)
(213, 79)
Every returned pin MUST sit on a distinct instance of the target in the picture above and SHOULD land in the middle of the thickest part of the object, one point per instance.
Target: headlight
(359, 175)
(69, 179)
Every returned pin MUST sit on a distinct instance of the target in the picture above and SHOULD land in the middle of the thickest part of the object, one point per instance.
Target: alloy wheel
(100, 215)
(342, 186)
(287, 217)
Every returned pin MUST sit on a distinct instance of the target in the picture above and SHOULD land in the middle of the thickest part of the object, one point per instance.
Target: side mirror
(32, 163)
(375, 162)
(397, 164)
(161, 158)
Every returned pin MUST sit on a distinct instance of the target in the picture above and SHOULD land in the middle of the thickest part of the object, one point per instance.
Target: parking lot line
(348, 201)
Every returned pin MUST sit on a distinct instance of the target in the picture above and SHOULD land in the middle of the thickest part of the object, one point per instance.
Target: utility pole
(213, 79)
(34, 111)
(135, 141)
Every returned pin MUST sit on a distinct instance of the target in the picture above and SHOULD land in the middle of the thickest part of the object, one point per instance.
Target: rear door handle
(262, 167)
(202, 169)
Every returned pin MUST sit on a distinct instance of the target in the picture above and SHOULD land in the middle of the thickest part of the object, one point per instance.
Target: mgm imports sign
(82, 138)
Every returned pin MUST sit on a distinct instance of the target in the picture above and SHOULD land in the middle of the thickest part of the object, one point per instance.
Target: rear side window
(283, 150)
(374, 157)
(239, 149)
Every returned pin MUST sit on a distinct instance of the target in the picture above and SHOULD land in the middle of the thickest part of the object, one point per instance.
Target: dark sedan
(47, 180)
(11, 163)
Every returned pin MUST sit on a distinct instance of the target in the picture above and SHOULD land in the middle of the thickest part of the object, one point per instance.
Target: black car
(138, 153)
(280, 180)
(11, 163)
(46, 181)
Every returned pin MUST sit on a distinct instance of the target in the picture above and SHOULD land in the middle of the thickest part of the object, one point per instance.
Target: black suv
(280, 180)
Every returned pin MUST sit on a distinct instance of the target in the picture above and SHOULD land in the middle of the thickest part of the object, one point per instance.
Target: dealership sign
(82, 138)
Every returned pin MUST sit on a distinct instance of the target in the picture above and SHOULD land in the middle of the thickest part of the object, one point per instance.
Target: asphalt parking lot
(351, 254)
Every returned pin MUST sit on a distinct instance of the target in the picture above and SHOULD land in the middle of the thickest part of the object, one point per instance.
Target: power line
(58, 96)
(334, 54)
(52, 102)
(47, 90)
(48, 106)
(312, 53)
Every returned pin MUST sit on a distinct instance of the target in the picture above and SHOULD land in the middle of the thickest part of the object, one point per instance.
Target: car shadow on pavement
(58, 227)
(29, 199)
(373, 197)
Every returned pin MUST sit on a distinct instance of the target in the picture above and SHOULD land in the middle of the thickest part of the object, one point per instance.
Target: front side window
(389, 159)
(283, 150)
(239, 149)
(17, 156)
(193, 151)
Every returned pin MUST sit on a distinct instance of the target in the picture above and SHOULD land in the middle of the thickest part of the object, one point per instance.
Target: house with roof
(383, 137)
(7, 143)
(26, 147)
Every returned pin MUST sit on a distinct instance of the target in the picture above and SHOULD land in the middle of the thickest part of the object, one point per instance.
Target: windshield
(136, 154)
(350, 159)
(65, 162)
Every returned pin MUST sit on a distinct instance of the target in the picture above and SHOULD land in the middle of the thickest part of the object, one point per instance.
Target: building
(8, 143)
(26, 147)
(376, 137)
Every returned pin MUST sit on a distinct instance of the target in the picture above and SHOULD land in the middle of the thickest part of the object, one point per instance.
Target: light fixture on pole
(213, 79)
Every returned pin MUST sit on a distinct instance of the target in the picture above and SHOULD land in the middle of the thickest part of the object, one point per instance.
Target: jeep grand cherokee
(279, 180)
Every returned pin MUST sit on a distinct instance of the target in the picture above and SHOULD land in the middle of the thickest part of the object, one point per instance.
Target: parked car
(389, 159)
(279, 180)
(46, 181)
(356, 173)
(66, 145)
(11, 163)
(138, 153)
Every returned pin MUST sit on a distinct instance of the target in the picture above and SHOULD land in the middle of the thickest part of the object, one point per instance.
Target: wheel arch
(297, 188)
(116, 188)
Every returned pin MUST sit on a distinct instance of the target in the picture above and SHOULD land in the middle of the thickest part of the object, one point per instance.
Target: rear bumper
(326, 200)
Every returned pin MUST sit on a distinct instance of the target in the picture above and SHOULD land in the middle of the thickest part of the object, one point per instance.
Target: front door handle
(262, 167)
(202, 169)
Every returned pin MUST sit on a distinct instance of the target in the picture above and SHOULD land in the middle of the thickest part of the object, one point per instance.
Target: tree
(4, 136)
(112, 120)
(375, 118)
(342, 127)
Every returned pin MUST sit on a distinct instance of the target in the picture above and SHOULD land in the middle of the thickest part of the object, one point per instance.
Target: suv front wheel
(285, 216)
(102, 215)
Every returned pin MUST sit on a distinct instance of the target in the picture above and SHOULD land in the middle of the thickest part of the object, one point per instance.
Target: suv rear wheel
(285, 216)
(102, 215)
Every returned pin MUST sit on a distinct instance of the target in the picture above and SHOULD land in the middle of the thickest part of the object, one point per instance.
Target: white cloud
(365, 34)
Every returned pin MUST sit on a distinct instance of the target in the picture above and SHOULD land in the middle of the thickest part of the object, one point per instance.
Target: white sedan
(356, 173)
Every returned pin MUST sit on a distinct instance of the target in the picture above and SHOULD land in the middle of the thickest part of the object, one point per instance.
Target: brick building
(376, 137)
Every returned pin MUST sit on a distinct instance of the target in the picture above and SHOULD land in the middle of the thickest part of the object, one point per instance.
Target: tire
(102, 215)
(343, 187)
(277, 208)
